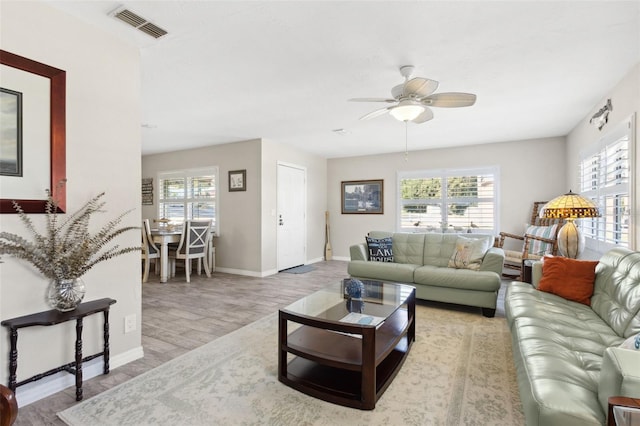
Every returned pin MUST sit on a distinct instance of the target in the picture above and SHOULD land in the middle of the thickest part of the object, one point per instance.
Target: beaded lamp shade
(570, 206)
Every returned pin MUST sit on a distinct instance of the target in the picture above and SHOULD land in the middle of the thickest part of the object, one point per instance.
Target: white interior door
(291, 217)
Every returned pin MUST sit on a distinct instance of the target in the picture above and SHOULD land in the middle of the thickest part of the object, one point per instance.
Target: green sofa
(422, 259)
(567, 354)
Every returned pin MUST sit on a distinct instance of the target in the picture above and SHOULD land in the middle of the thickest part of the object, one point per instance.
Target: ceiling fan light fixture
(406, 111)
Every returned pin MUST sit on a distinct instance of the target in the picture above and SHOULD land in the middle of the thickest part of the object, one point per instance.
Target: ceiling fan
(413, 98)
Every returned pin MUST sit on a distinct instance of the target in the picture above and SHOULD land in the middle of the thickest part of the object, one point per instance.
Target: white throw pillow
(468, 253)
(632, 343)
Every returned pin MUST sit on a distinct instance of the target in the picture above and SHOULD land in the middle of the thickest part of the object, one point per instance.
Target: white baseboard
(35, 391)
(345, 259)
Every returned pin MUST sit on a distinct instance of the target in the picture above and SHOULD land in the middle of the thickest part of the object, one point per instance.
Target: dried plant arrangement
(66, 250)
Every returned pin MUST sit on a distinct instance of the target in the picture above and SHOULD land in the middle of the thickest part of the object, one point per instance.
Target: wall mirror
(38, 141)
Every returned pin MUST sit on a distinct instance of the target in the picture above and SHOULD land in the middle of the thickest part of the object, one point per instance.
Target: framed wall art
(39, 138)
(363, 197)
(237, 180)
(11, 135)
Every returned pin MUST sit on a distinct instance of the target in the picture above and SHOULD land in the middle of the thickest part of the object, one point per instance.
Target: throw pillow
(632, 343)
(568, 278)
(468, 253)
(537, 247)
(380, 249)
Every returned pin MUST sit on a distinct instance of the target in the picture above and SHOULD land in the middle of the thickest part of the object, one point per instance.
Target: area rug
(459, 371)
(302, 269)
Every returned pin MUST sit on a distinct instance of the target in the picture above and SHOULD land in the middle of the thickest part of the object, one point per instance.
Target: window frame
(185, 200)
(602, 192)
(444, 174)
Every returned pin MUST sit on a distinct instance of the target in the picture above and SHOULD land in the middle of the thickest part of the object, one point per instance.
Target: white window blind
(449, 200)
(189, 194)
(605, 177)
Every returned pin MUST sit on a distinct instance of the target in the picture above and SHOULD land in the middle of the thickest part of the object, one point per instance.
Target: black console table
(53, 317)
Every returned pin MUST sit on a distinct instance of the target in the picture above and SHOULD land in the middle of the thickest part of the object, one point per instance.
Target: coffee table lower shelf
(342, 386)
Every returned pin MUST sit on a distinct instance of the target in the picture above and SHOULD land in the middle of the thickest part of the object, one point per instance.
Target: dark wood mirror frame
(57, 133)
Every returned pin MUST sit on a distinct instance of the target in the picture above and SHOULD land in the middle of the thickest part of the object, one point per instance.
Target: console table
(53, 317)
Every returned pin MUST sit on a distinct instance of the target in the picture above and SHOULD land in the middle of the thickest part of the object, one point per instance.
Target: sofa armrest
(536, 273)
(619, 375)
(358, 252)
(493, 260)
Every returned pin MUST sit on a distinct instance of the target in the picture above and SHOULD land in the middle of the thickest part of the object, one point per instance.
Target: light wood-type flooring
(178, 316)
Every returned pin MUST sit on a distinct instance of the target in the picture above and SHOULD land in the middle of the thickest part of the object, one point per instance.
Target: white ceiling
(283, 71)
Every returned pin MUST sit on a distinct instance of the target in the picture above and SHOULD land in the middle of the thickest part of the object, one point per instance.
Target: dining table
(164, 237)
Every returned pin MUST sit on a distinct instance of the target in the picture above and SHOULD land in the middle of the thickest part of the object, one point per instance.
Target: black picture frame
(237, 180)
(11, 152)
(363, 196)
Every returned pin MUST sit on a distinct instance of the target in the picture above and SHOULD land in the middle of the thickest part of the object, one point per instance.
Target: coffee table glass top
(378, 301)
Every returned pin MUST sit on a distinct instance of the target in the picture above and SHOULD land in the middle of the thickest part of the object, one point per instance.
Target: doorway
(291, 216)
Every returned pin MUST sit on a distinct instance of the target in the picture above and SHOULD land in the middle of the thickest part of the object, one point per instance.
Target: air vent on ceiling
(135, 20)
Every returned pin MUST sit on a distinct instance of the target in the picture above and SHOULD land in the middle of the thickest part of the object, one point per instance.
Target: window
(436, 200)
(605, 178)
(189, 194)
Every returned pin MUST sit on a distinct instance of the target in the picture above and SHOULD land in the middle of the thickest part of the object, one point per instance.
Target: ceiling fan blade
(371, 100)
(450, 100)
(425, 115)
(419, 86)
(375, 113)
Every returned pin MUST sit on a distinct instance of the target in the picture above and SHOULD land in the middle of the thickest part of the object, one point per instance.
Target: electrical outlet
(130, 323)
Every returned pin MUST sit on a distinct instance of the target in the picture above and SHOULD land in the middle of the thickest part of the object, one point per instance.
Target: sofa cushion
(380, 249)
(408, 248)
(457, 278)
(616, 294)
(523, 300)
(468, 253)
(438, 248)
(569, 278)
(383, 271)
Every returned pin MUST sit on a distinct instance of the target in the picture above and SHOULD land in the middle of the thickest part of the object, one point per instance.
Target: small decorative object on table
(67, 250)
(354, 288)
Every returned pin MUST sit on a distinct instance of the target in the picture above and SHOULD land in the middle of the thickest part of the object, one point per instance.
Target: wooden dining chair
(194, 244)
(149, 250)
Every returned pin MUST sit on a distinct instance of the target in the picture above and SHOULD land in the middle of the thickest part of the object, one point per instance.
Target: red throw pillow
(568, 278)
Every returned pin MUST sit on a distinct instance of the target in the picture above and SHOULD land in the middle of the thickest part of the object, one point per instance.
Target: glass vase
(65, 295)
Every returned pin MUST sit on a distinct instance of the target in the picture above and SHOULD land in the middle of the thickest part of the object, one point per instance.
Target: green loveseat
(422, 259)
(567, 354)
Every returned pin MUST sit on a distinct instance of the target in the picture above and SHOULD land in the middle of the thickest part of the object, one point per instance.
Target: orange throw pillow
(568, 278)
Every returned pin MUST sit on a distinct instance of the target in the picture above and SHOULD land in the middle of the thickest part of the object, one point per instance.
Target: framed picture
(40, 137)
(237, 180)
(11, 135)
(363, 197)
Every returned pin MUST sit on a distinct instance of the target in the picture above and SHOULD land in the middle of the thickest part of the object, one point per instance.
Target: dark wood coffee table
(329, 356)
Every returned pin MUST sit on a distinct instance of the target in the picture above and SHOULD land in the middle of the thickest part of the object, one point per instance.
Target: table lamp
(570, 207)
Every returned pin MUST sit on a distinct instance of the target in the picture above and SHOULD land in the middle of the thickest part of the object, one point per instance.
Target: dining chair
(8, 406)
(149, 250)
(193, 244)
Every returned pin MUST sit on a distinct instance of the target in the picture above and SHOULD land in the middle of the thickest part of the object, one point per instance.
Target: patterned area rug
(460, 371)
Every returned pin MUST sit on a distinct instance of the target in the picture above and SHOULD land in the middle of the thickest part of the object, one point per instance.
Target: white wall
(531, 170)
(247, 241)
(625, 100)
(103, 154)
(238, 243)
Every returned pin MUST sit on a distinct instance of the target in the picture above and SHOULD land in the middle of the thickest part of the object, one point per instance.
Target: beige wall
(247, 241)
(103, 154)
(531, 170)
(625, 99)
